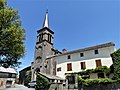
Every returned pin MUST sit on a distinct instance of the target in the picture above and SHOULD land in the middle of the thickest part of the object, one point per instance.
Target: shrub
(42, 82)
(27, 79)
(101, 69)
(116, 64)
(89, 82)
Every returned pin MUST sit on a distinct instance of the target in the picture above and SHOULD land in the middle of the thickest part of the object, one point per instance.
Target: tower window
(68, 57)
(40, 37)
(69, 67)
(38, 57)
(96, 51)
(81, 54)
(49, 38)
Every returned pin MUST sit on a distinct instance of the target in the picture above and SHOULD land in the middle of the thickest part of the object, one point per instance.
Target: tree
(27, 78)
(12, 36)
(116, 64)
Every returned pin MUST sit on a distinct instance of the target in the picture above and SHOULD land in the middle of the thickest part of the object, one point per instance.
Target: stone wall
(57, 86)
(115, 86)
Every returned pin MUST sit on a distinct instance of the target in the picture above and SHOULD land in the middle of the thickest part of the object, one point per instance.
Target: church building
(43, 49)
(50, 61)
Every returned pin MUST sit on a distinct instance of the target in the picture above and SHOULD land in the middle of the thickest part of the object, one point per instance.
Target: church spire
(46, 22)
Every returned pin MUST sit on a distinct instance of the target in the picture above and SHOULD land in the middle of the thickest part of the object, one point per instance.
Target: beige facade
(72, 61)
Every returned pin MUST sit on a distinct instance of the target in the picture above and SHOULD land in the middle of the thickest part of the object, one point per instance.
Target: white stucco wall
(89, 59)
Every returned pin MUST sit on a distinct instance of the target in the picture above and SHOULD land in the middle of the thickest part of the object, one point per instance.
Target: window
(13, 75)
(58, 69)
(98, 63)
(69, 67)
(96, 51)
(69, 57)
(38, 57)
(83, 66)
(81, 54)
(40, 37)
(101, 75)
(49, 38)
(71, 79)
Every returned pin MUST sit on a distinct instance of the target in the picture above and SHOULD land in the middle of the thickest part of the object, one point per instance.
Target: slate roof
(91, 48)
(7, 70)
(49, 76)
(85, 49)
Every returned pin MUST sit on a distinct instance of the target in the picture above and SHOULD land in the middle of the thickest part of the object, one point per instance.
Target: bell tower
(44, 42)
(43, 47)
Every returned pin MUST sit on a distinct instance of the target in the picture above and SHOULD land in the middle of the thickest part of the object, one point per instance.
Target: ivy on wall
(104, 69)
(116, 64)
(89, 82)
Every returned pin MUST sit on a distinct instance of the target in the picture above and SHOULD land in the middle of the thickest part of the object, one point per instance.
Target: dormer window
(96, 51)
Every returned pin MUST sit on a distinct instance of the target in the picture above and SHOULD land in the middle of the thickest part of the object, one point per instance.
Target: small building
(22, 74)
(56, 83)
(7, 77)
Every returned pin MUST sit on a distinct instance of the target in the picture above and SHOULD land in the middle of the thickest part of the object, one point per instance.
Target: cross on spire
(46, 21)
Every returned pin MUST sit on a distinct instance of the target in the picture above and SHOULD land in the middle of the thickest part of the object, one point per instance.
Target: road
(19, 87)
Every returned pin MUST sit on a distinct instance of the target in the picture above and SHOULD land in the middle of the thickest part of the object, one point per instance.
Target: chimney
(64, 51)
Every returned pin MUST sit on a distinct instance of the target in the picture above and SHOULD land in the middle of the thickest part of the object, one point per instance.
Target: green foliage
(101, 69)
(42, 82)
(2, 3)
(97, 69)
(89, 82)
(27, 79)
(116, 64)
(12, 36)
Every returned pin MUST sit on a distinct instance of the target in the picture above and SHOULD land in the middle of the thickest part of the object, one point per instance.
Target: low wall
(6, 82)
(115, 86)
(56, 86)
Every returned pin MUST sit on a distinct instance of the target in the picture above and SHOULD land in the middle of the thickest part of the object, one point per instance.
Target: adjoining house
(7, 77)
(23, 73)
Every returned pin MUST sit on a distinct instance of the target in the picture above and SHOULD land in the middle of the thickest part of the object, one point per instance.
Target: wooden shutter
(98, 63)
(69, 67)
(83, 66)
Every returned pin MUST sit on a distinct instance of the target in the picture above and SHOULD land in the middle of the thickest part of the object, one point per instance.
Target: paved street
(19, 87)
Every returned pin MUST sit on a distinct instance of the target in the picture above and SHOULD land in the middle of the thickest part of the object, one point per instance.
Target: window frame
(81, 54)
(68, 56)
(96, 51)
(98, 62)
(58, 69)
(69, 66)
(83, 65)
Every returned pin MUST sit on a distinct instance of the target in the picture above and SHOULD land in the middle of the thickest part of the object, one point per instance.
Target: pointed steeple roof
(46, 21)
(46, 24)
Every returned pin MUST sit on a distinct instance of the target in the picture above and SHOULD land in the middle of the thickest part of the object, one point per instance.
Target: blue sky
(76, 23)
